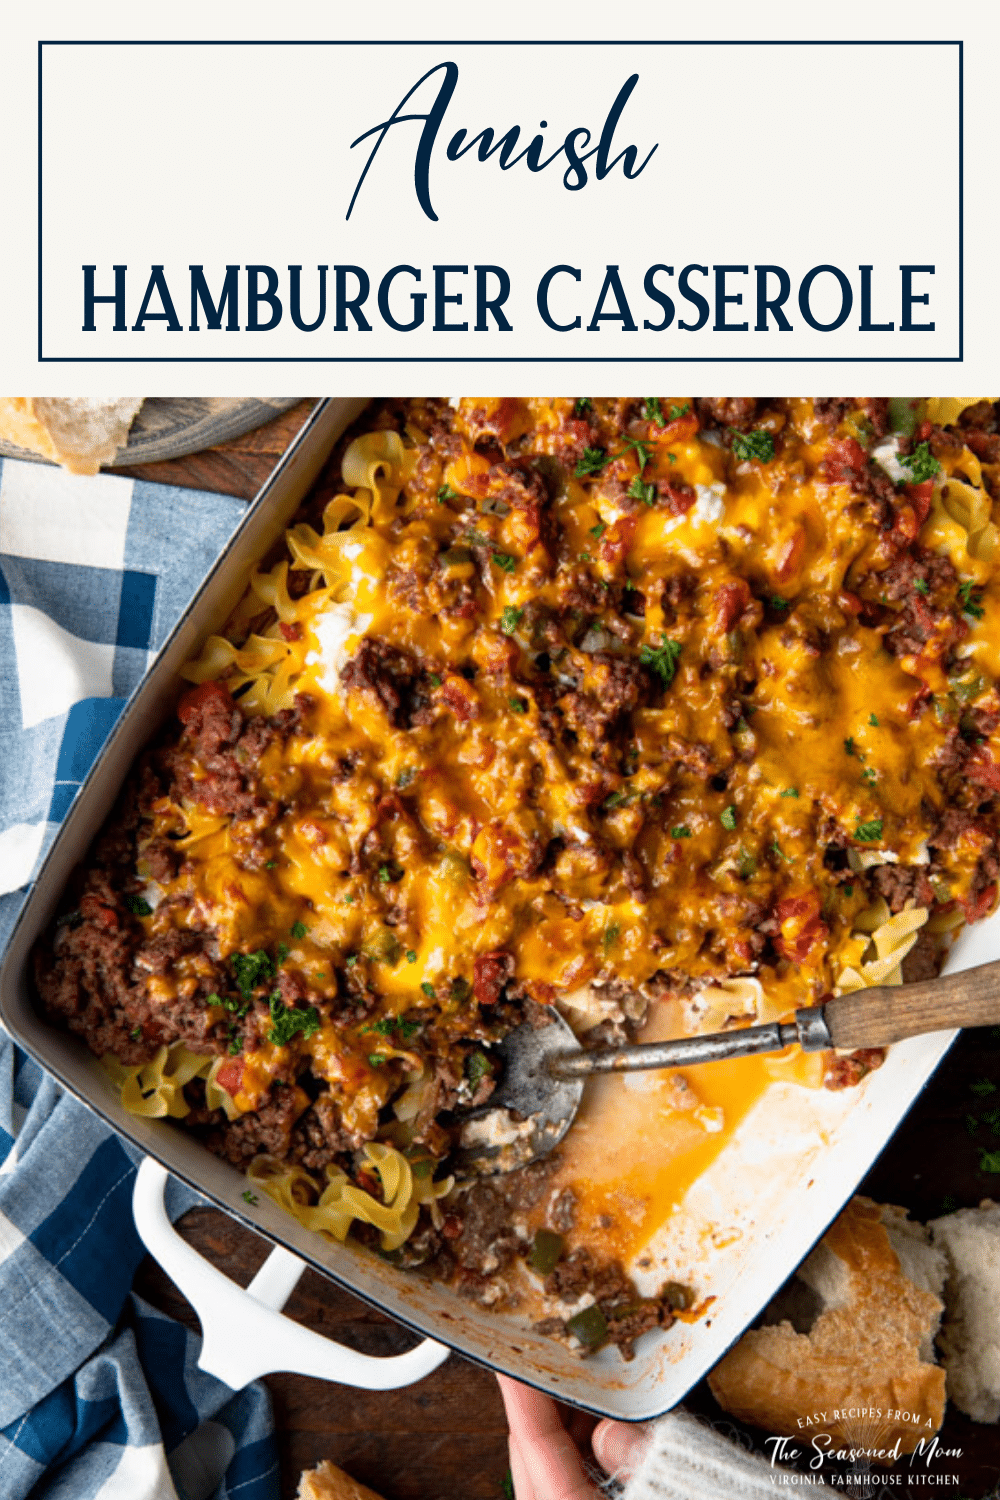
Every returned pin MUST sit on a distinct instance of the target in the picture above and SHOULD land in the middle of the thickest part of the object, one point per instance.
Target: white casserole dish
(742, 1229)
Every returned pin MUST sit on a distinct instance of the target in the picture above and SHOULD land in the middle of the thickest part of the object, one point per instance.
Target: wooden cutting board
(172, 426)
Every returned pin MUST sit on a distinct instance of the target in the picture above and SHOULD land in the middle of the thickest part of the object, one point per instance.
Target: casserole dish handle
(244, 1333)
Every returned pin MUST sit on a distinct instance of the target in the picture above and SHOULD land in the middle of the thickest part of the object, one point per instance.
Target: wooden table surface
(445, 1439)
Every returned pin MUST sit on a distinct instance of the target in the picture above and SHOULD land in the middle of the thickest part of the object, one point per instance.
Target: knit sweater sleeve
(688, 1460)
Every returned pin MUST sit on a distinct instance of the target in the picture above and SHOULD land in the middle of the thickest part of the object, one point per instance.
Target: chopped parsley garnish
(680, 831)
(643, 490)
(235, 1045)
(727, 817)
(517, 705)
(250, 969)
(747, 866)
(351, 960)
(477, 1068)
(790, 791)
(583, 557)
(643, 451)
(435, 679)
(848, 890)
(272, 864)
(869, 832)
(505, 561)
(235, 1007)
(982, 1087)
(676, 412)
(971, 606)
(391, 872)
(511, 619)
(282, 952)
(611, 935)
(411, 956)
(757, 444)
(653, 411)
(873, 720)
(135, 1033)
(598, 531)
(139, 905)
(461, 989)
(299, 930)
(777, 849)
(662, 659)
(348, 900)
(778, 603)
(617, 799)
(672, 458)
(428, 990)
(989, 1161)
(582, 404)
(921, 463)
(250, 1198)
(286, 1023)
(376, 1059)
(408, 1029)
(869, 774)
(849, 745)
(446, 493)
(592, 462)
(921, 585)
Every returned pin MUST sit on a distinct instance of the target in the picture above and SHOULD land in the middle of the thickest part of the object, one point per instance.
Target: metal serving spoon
(544, 1067)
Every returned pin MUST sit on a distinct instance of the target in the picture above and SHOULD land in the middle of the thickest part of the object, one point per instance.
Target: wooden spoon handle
(875, 1017)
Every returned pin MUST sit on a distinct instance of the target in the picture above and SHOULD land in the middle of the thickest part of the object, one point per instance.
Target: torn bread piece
(970, 1338)
(850, 1345)
(327, 1482)
(79, 432)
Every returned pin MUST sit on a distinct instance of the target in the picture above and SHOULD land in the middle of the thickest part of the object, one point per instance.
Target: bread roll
(327, 1482)
(970, 1338)
(867, 1305)
(80, 432)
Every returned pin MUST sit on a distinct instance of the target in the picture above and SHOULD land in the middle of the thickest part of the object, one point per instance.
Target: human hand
(547, 1443)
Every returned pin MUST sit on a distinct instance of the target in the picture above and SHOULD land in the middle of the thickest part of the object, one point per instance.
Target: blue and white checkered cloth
(100, 1395)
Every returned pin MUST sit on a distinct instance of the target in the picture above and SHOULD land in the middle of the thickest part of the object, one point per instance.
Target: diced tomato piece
(490, 972)
(680, 430)
(461, 698)
(731, 599)
(977, 907)
(919, 496)
(680, 497)
(799, 919)
(200, 697)
(846, 461)
(617, 540)
(291, 632)
(230, 1075)
(791, 554)
(923, 432)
